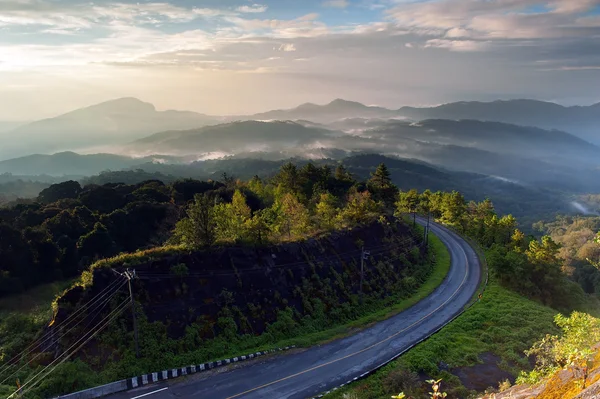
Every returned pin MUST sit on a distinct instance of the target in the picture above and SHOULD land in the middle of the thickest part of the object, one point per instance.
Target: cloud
(254, 8)
(336, 3)
(456, 45)
(287, 47)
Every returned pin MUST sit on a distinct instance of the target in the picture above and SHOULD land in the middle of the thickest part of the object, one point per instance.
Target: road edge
(480, 290)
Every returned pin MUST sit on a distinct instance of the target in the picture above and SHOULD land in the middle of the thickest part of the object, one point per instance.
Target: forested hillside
(248, 263)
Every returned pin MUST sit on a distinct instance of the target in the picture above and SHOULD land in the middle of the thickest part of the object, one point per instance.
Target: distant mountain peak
(123, 105)
(339, 102)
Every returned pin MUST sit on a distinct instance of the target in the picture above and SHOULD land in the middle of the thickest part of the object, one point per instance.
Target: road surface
(319, 369)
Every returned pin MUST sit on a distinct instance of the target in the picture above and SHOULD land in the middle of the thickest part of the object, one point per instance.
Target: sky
(240, 57)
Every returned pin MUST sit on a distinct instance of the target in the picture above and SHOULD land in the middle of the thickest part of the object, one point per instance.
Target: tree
(231, 218)
(454, 209)
(198, 229)
(342, 174)
(360, 208)
(380, 184)
(573, 349)
(294, 217)
(408, 202)
(97, 243)
(289, 178)
(257, 227)
(67, 189)
(326, 211)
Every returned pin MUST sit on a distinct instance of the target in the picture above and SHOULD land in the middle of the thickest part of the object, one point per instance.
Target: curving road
(319, 369)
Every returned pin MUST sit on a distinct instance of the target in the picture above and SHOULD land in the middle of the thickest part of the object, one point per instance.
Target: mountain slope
(581, 120)
(231, 138)
(111, 122)
(65, 163)
(529, 142)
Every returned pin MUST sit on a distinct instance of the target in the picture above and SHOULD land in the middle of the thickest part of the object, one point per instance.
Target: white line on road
(149, 393)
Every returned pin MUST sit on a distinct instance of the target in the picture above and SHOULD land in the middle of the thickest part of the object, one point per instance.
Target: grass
(35, 300)
(502, 323)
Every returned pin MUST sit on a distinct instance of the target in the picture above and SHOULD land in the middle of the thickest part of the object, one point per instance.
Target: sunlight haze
(239, 57)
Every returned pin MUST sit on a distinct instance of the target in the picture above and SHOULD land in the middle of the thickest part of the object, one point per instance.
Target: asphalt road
(319, 369)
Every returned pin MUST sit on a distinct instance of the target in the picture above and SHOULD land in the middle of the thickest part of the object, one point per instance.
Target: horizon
(393, 108)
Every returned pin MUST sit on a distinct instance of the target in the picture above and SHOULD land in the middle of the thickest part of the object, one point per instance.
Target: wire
(112, 315)
(36, 343)
(92, 307)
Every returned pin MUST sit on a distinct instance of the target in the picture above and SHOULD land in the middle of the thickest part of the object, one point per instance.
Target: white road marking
(150, 393)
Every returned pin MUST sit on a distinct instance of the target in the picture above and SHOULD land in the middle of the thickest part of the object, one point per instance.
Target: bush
(402, 380)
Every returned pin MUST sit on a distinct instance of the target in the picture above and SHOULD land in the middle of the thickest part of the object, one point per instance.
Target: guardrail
(145, 379)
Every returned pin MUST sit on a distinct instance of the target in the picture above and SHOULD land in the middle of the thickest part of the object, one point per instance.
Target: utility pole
(130, 275)
(427, 229)
(363, 257)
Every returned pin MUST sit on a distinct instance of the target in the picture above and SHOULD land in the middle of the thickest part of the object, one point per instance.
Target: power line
(90, 305)
(92, 308)
(111, 316)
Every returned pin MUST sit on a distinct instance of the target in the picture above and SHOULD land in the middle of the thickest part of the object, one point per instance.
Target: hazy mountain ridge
(109, 123)
(583, 121)
(230, 138)
(335, 110)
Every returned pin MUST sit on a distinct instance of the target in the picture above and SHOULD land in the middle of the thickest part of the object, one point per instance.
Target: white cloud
(336, 3)
(456, 45)
(254, 8)
(287, 47)
(458, 33)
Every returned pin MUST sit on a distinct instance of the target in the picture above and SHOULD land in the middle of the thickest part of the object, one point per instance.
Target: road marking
(368, 348)
(150, 393)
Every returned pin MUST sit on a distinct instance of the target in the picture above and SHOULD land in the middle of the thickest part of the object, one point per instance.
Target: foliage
(199, 228)
(571, 349)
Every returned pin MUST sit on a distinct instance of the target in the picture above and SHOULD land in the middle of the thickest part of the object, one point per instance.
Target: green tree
(198, 229)
(68, 189)
(360, 208)
(573, 349)
(408, 202)
(97, 243)
(289, 178)
(380, 184)
(293, 216)
(257, 227)
(231, 218)
(342, 174)
(326, 211)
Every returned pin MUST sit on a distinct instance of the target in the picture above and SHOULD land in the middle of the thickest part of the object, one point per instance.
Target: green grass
(503, 323)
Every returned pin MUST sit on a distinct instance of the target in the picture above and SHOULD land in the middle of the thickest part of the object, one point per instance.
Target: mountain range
(116, 122)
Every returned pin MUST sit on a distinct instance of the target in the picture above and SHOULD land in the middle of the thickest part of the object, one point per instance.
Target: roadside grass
(503, 323)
